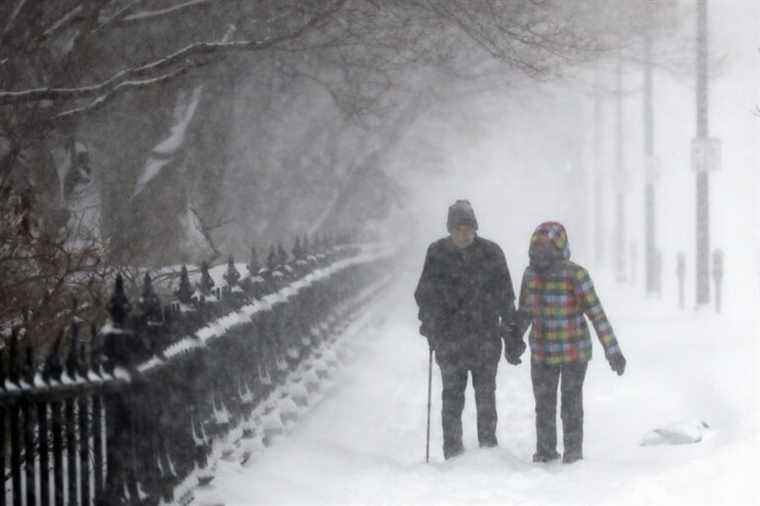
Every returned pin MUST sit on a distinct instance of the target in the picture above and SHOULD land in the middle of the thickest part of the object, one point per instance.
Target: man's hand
(427, 329)
(514, 346)
(513, 350)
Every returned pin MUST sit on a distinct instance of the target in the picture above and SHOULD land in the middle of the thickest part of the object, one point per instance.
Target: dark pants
(483, 364)
(545, 381)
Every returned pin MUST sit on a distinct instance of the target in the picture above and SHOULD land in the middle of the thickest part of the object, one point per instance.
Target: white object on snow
(687, 432)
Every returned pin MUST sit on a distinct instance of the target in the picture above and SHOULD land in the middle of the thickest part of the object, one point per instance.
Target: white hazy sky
(508, 162)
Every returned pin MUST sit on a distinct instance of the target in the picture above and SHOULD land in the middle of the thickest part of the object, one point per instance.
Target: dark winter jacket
(555, 294)
(464, 292)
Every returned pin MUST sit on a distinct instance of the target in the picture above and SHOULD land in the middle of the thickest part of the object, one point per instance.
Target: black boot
(545, 457)
(572, 456)
(449, 453)
(489, 442)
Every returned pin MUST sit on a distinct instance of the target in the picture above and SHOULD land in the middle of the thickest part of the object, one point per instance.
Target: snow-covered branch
(64, 21)
(119, 15)
(174, 9)
(12, 18)
(184, 57)
(122, 87)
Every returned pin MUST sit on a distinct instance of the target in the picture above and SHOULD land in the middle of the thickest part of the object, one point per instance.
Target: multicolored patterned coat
(555, 301)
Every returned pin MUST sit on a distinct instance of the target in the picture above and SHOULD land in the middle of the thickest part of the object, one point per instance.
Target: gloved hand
(617, 363)
(513, 350)
(427, 329)
(514, 346)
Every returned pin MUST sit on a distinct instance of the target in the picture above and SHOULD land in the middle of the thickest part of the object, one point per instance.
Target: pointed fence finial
(13, 369)
(150, 304)
(119, 306)
(253, 265)
(272, 258)
(29, 365)
(297, 251)
(53, 368)
(88, 357)
(184, 292)
(319, 243)
(207, 283)
(72, 361)
(232, 276)
(282, 255)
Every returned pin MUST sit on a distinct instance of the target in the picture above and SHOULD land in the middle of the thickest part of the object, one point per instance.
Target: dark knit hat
(461, 213)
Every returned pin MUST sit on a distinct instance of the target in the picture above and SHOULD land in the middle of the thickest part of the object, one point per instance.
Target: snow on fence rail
(138, 417)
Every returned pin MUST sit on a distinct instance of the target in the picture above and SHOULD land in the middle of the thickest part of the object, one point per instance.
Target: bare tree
(326, 90)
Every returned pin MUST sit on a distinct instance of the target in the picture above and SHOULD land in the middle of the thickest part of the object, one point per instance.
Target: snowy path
(364, 443)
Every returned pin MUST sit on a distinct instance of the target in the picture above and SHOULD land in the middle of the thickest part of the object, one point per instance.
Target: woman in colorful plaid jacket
(556, 296)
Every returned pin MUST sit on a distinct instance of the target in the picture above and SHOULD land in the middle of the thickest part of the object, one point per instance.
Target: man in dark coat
(466, 305)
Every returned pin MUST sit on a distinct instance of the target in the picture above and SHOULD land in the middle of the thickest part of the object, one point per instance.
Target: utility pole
(620, 179)
(705, 156)
(681, 276)
(718, 278)
(650, 247)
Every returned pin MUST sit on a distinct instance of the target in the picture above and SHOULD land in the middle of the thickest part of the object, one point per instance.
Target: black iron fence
(139, 414)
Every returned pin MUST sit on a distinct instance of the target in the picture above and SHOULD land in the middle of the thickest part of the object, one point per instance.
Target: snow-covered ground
(364, 443)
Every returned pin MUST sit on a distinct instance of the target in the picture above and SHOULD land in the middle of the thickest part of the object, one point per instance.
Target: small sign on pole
(706, 153)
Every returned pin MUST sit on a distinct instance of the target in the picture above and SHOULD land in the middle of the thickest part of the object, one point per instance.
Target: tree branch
(174, 9)
(12, 18)
(151, 68)
(118, 90)
(120, 14)
(64, 21)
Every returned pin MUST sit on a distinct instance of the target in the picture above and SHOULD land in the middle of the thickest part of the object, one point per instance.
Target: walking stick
(430, 380)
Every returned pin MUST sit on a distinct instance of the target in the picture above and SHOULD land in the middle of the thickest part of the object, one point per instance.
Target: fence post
(282, 255)
(97, 420)
(3, 432)
(72, 369)
(151, 316)
(15, 442)
(51, 375)
(29, 426)
(119, 452)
